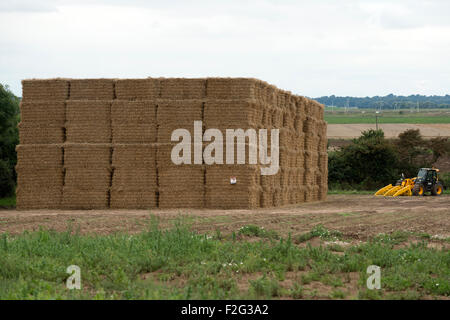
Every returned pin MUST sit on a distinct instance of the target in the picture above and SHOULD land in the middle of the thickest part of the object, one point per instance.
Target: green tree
(9, 138)
(413, 151)
(440, 146)
(370, 161)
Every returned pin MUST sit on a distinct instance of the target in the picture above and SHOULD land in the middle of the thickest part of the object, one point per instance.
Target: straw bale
(86, 155)
(132, 112)
(88, 132)
(41, 112)
(179, 111)
(299, 123)
(276, 197)
(232, 114)
(311, 142)
(284, 196)
(271, 181)
(136, 199)
(34, 178)
(37, 134)
(38, 198)
(289, 119)
(92, 89)
(323, 190)
(88, 178)
(232, 197)
(164, 152)
(39, 156)
(182, 88)
(224, 88)
(277, 117)
(48, 89)
(246, 147)
(130, 178)
(137, 89)
(182, 198)
(133, 133)
(310, 125)
(321, 128)
(218, 176)
(80, 111)
(134, 155)
(266, 198)
(74, 198)
(185, 177)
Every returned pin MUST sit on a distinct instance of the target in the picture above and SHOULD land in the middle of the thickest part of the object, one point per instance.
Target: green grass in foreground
(9, 202)
(180, 264)
(360, 119)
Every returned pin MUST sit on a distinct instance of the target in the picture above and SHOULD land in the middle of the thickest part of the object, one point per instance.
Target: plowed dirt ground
(356, 216)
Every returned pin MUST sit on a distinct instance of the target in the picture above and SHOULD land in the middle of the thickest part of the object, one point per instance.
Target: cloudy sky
(312, 48)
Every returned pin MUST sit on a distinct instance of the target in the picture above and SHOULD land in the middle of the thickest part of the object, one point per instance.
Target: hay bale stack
(99, 143)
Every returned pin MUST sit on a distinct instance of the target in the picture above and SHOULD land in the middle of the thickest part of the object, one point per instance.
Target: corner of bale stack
(45, 89)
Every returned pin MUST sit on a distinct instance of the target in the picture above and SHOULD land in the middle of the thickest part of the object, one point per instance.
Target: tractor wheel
(418, 190)
(437, 189)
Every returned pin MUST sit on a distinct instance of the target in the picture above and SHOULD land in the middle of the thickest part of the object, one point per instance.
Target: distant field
(367, 116)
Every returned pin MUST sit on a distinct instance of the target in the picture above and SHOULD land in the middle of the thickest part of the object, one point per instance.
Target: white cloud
(309, 47)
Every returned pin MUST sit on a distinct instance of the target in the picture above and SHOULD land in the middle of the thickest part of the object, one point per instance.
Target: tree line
(372, 161)
(9, 138)
(388, 102)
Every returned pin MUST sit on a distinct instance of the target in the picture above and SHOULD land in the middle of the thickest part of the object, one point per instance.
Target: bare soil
(391, 130)
(356, 216)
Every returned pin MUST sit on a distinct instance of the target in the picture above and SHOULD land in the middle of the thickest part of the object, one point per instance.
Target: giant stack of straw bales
(106, 143)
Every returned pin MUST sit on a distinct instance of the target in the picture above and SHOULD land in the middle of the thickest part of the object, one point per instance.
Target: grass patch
(9, 202)
(255, 231)
(180, 264)
(321, 232)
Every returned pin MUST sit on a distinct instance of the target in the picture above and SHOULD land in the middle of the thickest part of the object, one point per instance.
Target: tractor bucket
(405, 191)
(383, 190)
(392, 191)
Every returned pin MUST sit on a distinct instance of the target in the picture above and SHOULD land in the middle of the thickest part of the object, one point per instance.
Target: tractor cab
(427, 181)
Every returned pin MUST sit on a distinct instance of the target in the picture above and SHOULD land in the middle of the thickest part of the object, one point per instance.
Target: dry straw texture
(45, 89)
(106, 143)
(92, 89)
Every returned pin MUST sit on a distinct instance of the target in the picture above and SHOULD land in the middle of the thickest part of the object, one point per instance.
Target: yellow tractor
(426, 181)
